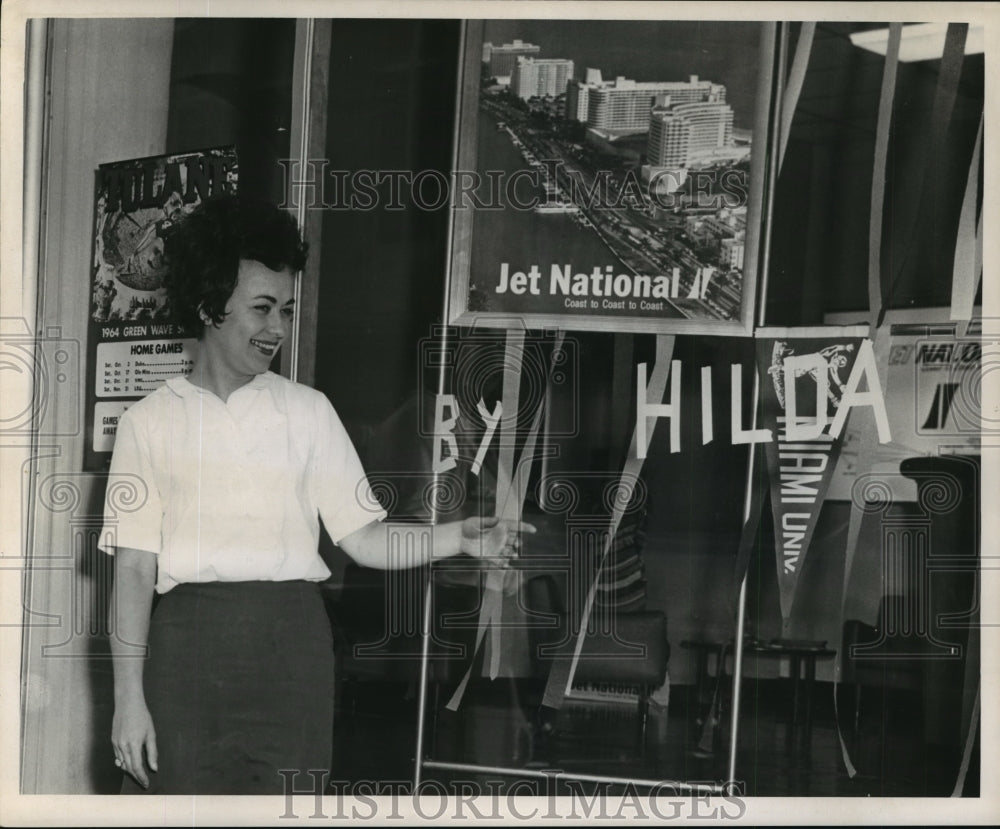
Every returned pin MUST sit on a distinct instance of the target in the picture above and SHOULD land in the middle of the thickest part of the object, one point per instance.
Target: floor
(497, 725)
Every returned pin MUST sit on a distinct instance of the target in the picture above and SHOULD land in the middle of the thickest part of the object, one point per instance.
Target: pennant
(803, 381)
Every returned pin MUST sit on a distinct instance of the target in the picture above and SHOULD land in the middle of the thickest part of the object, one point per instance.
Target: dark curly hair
(204, 250)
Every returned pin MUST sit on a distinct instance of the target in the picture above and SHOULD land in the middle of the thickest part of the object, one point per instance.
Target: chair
(920, 641)
(883, 655)
(631, 657)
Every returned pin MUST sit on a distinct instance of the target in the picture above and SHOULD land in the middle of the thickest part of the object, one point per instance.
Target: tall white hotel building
(681, 134)
(540, 76)
(625, 105)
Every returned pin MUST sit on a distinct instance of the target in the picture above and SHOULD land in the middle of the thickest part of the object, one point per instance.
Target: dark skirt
(239, 683)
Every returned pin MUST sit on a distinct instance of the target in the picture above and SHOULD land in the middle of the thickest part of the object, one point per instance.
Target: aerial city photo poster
(610, 175)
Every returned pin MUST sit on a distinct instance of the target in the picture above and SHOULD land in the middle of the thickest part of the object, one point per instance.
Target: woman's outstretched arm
(389, 546)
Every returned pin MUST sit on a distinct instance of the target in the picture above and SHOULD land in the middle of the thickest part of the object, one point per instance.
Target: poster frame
(462, 239)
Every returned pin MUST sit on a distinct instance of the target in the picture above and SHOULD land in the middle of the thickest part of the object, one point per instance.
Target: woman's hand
(493, 538)
(132, 733)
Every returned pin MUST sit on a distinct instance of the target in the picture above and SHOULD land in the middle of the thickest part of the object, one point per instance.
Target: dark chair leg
(857, 711)
(643, 720)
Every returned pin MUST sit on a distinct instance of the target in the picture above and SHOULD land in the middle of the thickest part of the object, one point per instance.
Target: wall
(108, 87)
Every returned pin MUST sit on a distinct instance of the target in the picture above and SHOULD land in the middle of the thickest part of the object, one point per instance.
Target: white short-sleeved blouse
(233, 491)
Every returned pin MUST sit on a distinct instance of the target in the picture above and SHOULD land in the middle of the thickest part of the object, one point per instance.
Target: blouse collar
(183, 387)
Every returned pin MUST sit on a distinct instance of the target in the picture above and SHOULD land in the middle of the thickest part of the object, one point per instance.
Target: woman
(232, 468)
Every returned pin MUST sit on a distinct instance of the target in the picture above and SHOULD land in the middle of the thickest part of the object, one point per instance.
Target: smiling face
(258, 318)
